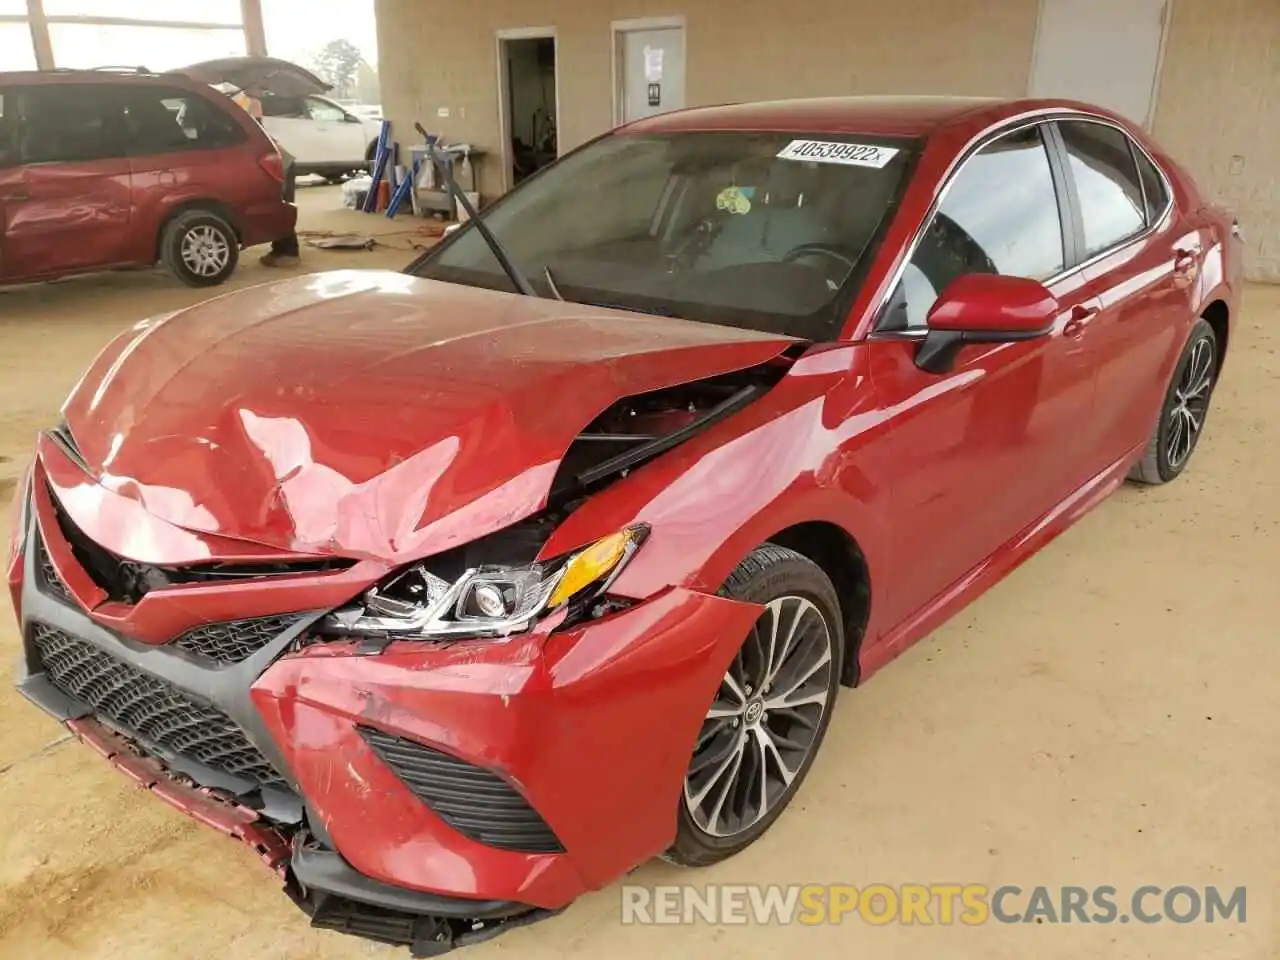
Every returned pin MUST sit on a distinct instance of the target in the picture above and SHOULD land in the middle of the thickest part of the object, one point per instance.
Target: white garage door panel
(1102, 51)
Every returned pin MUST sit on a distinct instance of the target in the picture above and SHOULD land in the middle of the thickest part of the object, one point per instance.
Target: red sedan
(460, 592)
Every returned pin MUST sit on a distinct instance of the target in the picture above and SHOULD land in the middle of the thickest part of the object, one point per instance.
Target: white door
(1101, 51)
(650, 71)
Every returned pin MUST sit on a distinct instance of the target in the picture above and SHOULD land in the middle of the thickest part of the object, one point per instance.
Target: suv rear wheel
(200, 248)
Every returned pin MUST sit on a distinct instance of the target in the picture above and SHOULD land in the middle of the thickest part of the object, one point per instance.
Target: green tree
(337, 64)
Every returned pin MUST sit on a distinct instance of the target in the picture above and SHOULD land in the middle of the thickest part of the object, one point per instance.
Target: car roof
(905, 116)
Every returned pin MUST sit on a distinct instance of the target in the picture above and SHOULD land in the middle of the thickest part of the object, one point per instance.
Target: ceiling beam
(255, 32)
(40, 34)
(137, 22)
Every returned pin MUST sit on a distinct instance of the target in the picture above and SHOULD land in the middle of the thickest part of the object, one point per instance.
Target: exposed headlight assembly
(492, 601)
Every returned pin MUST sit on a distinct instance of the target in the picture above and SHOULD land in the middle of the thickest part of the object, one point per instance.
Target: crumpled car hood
(365, 413)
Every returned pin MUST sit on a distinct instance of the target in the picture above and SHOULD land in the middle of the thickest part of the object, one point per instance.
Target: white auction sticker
(827, 151)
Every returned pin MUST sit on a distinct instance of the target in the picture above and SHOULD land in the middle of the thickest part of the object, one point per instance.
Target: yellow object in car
(733, 200)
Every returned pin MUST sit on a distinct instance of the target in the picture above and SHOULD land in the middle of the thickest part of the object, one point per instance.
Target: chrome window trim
(959, 165)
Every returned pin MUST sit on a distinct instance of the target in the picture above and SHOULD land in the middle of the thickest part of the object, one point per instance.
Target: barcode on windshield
(849, 154)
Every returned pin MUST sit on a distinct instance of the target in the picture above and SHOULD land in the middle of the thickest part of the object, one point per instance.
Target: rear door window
(1101, 162)
(1000, 215)
(164, 119)
(70, 123)
(321, 110)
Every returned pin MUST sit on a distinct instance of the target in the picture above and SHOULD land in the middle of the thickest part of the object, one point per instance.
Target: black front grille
(49, 582)
(153, 710)
(234, 641)
(477, 803)
(128, 581)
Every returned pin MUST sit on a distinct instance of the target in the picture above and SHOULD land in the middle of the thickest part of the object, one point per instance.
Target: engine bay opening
(639, 428)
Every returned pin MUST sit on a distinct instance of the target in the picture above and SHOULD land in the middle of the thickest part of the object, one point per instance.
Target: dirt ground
(1107, 715)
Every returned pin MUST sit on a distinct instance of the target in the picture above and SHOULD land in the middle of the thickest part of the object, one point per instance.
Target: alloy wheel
(205, 251)
(1186, 414)
(764, 721)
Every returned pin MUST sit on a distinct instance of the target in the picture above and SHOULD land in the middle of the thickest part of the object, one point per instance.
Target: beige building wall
(1218, 112)
(1221, 69)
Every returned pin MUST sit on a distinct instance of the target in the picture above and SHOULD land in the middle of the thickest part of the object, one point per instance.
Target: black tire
(771, 574)
(211, 233)
(1184, 411)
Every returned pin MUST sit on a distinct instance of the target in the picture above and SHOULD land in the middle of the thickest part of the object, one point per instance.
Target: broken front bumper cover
(327, 888)
(545, 711)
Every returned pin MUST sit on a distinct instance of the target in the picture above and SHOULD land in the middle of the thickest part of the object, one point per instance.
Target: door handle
(16, 197)
(1184, 261)
(1081, 317)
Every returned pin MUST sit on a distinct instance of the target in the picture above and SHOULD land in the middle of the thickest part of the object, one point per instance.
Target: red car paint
(64, 218)
(235, 821)
(384, 419)
(551, 712)
(368, 414)
(983, 303)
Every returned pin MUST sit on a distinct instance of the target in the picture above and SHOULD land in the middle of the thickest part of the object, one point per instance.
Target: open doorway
(527, 64)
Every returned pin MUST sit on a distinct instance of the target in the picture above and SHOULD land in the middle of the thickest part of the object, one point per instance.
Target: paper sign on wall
(653, 64)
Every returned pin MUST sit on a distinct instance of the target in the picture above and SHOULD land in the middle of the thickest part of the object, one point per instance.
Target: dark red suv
(101, 170)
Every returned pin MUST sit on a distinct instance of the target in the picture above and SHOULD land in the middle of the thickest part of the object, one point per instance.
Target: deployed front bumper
(418, 793)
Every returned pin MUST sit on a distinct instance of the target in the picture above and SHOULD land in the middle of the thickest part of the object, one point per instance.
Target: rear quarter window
(1154, 188)
(164, 119)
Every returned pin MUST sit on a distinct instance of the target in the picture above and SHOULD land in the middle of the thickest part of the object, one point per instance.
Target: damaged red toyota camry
(462, 591)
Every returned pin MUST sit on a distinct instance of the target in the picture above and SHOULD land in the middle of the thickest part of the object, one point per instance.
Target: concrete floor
(1107, 715)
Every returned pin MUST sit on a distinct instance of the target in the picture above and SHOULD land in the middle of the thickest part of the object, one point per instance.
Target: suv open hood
(365, 413)
(257, 76)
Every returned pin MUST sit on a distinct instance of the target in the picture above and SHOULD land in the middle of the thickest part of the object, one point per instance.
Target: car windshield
(767, 231)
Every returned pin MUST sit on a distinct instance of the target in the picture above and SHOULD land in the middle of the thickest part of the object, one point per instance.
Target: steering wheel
(831, 252)
(821, 249)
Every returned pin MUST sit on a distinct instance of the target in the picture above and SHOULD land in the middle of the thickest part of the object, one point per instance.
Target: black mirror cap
(938, 350)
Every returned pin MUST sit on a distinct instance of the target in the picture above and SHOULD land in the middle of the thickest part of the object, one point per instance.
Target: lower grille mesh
(235, 641)
(155, 711)
(477, 803)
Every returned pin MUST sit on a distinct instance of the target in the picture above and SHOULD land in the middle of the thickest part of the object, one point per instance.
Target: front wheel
(770, 713)
(1185, 409)
(199, 248)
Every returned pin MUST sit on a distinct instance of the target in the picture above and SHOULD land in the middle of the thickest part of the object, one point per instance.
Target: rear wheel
(200, 248)
(1186, 406)
(770, 713)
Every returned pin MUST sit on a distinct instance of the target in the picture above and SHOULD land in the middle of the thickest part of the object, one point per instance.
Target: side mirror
(984, 308)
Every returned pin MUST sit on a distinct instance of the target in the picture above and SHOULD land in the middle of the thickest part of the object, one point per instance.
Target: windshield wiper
(551, 282)
(508, 265)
